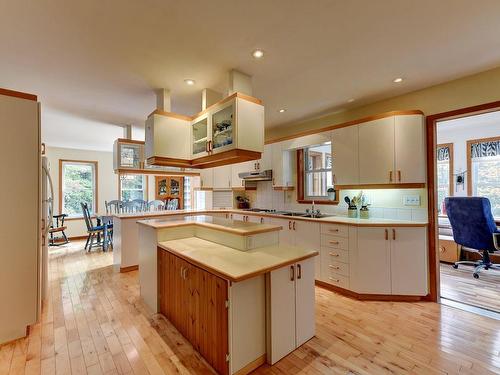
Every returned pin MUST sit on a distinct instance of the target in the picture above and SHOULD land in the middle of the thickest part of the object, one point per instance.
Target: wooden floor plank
(94, 323)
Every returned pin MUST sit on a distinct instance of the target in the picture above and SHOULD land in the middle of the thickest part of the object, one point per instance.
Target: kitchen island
(228, 286)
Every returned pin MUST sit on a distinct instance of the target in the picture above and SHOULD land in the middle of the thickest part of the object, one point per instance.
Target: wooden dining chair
(156, 205)
(95, 232)
(140, 204)
(58, 227)
(113, 207)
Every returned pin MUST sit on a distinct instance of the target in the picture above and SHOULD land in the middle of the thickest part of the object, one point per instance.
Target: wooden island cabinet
(195, 301)
(226, 286)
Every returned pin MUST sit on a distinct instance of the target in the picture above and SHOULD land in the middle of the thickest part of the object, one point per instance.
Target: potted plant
(331, 194)
(243, 202)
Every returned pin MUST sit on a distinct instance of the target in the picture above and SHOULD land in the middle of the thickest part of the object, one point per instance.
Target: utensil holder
(352, 212)
(364, 213)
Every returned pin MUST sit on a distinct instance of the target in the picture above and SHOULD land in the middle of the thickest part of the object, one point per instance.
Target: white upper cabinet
(207, 178)
(236, 169)
(410, 166)
(266, 161)
(167, 140)
(128, 154)
(376, 151)
(282, 165)
(237, 123)
(345, 156)
(222, 177)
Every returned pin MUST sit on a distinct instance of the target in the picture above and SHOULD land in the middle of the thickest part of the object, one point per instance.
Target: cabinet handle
(334, 255)
(242, 182)
(333, 230)
(274, 183)
(185, 273)
(386, 234)
(292, 273)
(299, 272)
(335, 280)
(289, 225)
(399, 175)
(390, 176)
(393, 234)
(334, 267)
(294, 225)
(261, 220)
(334, 178)
(334, 242)
(206, 146)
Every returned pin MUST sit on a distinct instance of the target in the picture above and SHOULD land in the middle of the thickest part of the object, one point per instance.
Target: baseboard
(76, 238)
(129, 268)
(369, 297)
(252, 366)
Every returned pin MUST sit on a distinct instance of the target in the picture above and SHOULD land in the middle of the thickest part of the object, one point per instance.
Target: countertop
(235, 265)
(338, 219)
(241, 228)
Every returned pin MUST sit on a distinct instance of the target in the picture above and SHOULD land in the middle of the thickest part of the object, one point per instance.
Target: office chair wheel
(455, 266)
(476, 275)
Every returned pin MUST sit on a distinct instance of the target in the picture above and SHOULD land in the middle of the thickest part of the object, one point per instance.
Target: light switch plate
(411, 200)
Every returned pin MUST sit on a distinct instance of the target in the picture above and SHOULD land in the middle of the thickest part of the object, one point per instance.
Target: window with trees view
(444, 173)
(77, 185)
(484, 165)
(133, 186)
(317, 171)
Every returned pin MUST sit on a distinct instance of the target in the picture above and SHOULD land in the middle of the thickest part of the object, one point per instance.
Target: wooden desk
(448, 250)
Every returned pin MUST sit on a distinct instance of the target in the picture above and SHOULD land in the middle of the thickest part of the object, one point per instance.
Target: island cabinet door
(304, 301)
(211, 324)
(281, 302)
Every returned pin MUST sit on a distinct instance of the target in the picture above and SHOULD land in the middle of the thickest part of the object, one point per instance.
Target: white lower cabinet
(290, 304)
(409, 262)
(371, 263)
(390, 260)
(301, 233)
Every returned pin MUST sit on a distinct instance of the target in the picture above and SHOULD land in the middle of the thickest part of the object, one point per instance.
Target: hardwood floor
(94, 323)
(459, 285)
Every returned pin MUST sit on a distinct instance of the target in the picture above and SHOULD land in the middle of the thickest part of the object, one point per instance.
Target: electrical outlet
(411, 200)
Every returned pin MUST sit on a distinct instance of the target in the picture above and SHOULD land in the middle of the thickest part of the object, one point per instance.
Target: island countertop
(235, 265)
(242, 228)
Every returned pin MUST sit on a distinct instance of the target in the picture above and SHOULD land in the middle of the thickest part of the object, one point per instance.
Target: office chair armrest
(496, 240)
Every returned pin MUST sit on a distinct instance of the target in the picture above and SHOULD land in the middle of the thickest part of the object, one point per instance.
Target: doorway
(466, 161)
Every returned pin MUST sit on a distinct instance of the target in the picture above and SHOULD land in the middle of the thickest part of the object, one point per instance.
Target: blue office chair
(474, 227)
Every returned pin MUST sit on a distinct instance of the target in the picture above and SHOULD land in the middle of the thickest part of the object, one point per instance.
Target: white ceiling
(100, 59)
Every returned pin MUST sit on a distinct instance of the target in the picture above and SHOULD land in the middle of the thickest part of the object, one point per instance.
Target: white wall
(459, 131)
(107, 180)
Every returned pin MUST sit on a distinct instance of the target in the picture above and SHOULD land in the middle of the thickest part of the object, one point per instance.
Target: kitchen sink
(302, 214)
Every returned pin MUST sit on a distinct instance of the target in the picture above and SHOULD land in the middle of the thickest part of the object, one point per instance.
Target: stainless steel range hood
(266, 175)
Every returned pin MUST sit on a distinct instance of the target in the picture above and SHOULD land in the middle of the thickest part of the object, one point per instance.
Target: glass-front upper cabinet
(200, 136)
(223, 127)
(128, 154)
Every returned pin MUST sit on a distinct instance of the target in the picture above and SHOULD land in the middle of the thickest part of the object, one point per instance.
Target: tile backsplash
(385, 203)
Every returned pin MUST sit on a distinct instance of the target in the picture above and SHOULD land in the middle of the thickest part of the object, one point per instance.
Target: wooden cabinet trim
(345, 124)
(18, 94)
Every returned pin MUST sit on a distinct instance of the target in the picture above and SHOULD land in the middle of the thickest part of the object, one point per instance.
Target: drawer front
(448, 251)
(334, 242)
(338, 280)
(335, 230)
(338, 268)
(329, 255)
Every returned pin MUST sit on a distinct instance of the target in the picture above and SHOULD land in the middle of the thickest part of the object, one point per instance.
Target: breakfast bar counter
(229, 287)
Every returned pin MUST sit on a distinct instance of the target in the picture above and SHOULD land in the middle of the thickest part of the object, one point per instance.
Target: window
(77, 184)
(483, 179)
(187, 193)
(133, 186)
(444, 173)
(314, 172)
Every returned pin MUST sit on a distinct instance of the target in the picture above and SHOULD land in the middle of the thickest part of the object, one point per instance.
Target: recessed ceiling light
(189, 82)
(258, 54)
(398, 80)
(350, 100)
(281, 110)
